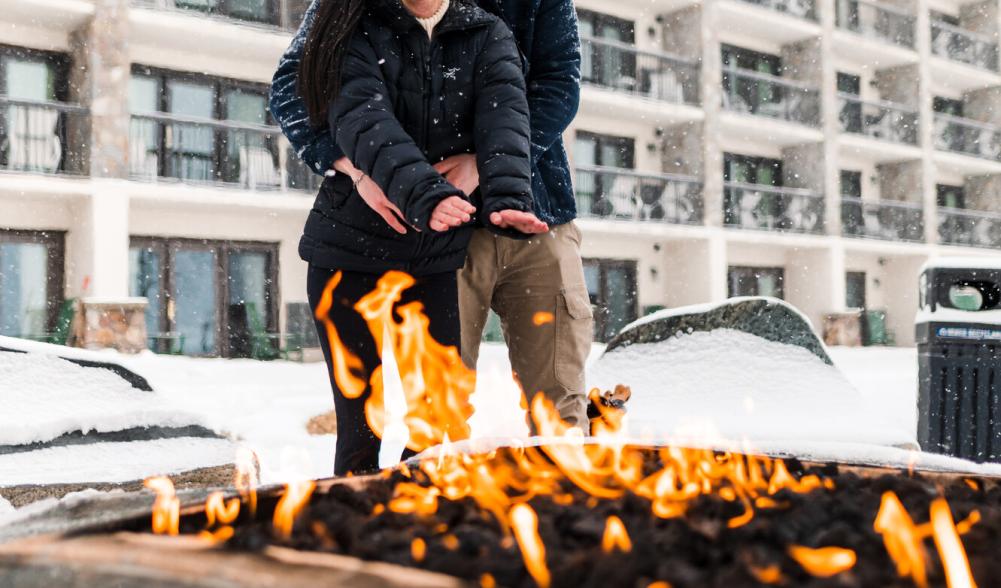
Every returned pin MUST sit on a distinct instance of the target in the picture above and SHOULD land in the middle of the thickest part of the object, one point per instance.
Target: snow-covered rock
(731, 385)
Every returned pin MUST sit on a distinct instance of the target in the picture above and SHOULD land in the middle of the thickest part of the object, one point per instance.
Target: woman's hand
(525, 222)
(451, 213)
(373, 195)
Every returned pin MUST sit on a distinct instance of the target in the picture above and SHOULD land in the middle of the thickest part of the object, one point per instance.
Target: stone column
(712, 104)
(100, 81)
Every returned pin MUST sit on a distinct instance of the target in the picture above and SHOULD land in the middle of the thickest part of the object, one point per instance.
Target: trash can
(959, 358)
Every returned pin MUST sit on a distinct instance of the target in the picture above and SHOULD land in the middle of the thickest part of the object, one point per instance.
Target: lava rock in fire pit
(768, 318)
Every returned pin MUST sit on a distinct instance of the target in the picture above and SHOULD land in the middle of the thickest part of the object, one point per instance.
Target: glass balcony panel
(769, 208)
(622, 194)
(973, 228)
(617, 66)
(964, 46)
(891, 221)
(805, 9)
(970, 137)
(879, 120)
(878, 21)
(770, 96)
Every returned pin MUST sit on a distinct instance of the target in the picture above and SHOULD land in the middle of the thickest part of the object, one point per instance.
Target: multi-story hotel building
(816, 150)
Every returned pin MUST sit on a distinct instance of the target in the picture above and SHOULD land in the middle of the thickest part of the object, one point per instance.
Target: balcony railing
(883, 22)
(974, 228)
(43, 137)
(879, 120)
(623, 68)
(197, 150)
(770, 96)
(883, 219)
(964, 46)
(622, 194)
(284, 14)
(753, 206)
(802, 8)
(970, 137)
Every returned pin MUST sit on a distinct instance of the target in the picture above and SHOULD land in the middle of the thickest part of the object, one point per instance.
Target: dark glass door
(757, 281)
(611, 285)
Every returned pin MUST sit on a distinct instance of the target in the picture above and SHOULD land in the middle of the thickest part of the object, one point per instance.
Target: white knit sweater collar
(429, 23)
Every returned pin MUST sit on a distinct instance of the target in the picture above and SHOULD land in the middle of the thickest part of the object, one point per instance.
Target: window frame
(58, 62)
(167, 247)
(600, 301)
(756, 271)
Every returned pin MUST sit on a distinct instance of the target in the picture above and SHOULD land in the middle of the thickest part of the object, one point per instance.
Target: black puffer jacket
(405, 103)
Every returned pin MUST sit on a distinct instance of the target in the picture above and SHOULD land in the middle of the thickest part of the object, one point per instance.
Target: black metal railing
(876, 20)
(624, 68)
(882, 219)
(43, 137)
(964, 46)
(770, 208)
(197, 150)
(770, 96)
(973, 228)
(802, 8)
(624, 194)
(970, 137)
(878, 119)
(283, 14)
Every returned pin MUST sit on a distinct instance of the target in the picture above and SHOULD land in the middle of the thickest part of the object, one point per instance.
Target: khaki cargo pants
(518, 280)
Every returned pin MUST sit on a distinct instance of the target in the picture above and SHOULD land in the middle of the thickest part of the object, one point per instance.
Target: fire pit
(563, 513)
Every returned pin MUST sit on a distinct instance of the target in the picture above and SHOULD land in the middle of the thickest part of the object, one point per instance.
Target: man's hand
(373, 195)
(461, 172)
(451, 213)
(526, 222)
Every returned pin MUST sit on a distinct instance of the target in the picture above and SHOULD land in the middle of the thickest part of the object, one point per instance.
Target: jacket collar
(461, 15)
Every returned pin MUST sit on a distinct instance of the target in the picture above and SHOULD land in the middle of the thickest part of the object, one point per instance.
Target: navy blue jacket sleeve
(314, 145)
(370, 135)
(503, 146)
(553, 73)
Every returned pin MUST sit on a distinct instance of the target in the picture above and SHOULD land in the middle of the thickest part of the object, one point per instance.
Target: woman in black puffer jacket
(410, 92)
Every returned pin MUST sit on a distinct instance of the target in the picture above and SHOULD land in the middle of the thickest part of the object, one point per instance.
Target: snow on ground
(45, 397)
(113, 462)
(5, 508)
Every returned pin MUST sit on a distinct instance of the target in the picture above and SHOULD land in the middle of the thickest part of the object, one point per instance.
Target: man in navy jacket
(536, 286)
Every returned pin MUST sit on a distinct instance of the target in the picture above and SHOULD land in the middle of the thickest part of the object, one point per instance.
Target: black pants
(357, 445)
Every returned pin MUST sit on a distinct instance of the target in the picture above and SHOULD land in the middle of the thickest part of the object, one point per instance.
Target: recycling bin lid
(961, 290)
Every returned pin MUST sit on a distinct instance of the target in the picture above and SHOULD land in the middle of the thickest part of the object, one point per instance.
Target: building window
(262, 11)
(951, 196)
(611, 285)
(31, 282)
(189, 144)
(606, 64)
(757, 281)
(740, 171)
(745, 93)
(855, 290)
(851, 184)
(948, 106)
(207, 298)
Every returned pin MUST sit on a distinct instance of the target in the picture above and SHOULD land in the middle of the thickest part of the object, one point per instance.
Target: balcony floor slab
(968, 165)
(956, 75)
(609, 103)
(751, 20)
(871, 53)
(876, 150)
(747, 127)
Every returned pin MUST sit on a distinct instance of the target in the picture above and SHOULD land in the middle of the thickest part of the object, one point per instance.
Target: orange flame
(166, 508)
(824, 562)
(771, 574)
(291, 504)
(616, 536)
(902, 538)
(542, 318)
(346, 364)
(418, 549)
(217, 509)
(245, 478)
(950, 548)
(526, 530)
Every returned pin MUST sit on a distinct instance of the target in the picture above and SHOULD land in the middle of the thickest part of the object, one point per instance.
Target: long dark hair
(326, 45)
